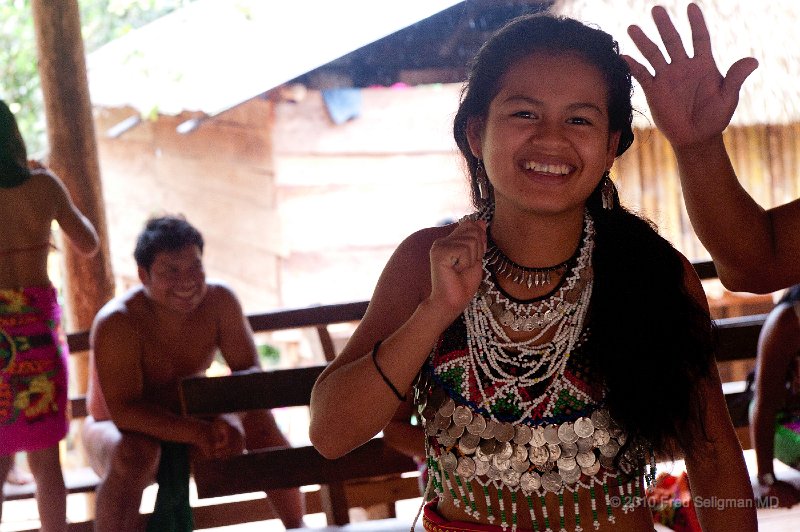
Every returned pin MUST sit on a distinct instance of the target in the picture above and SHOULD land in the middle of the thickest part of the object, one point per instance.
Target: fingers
(638, 71)
(465, 246)
(669, 35)
(648, 48)
(701, 41)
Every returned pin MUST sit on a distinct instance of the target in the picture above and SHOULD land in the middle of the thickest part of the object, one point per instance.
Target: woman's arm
(717, 472)
(778, 345)
(426, 284)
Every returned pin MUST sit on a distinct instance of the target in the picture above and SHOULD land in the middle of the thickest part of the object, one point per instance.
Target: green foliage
(268, 355)
(102, 21)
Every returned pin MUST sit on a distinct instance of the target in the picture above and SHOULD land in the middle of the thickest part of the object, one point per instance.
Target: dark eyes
(575, 120)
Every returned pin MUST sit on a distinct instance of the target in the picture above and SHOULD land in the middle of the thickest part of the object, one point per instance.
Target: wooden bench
(343, 484)
(374, 469)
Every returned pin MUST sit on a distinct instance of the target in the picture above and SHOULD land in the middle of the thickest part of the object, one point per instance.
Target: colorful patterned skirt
(33, 370)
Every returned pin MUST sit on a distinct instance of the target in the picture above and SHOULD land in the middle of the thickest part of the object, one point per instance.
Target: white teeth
(560, 169)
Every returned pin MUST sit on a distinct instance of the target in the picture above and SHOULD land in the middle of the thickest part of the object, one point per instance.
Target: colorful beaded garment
(510, 419)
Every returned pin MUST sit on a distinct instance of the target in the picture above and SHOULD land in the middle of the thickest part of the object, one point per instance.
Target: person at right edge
(754, 249)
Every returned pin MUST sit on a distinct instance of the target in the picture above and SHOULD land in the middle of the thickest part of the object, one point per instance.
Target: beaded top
(524, 416)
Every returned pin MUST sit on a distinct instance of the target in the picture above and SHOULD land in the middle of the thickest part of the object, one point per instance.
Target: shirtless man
(143, 343)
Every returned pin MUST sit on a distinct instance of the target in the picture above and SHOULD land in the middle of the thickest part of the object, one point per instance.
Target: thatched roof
(739, 28)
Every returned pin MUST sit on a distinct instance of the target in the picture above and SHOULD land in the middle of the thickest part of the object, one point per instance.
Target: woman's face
(545, 142)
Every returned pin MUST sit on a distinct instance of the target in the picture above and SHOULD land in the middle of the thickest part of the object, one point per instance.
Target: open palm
(689, 98)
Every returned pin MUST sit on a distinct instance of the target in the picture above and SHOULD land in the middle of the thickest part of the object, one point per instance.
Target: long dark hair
(13, 154)
(651, 342)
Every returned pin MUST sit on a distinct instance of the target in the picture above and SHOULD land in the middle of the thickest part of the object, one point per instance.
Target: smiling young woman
(552, 342)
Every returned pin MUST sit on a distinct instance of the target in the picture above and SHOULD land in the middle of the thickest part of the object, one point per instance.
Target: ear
(475, 136)
(613, 144)
(144, 276)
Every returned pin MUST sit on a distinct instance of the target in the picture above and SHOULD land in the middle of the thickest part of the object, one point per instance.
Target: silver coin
(569, 450)
(447, 409)
(586, 458)
(554, 451)
(610, 449)
(565, 463)
(466, 467)
(622, 438)
(488, 432)
(482, 456)
(530, 482)
(510, 478)
(566, 433)
(442, 422)
(585, 444)
(600, 437)
(537, 436)
(468, 443)
(431, 429)
(520, 466)
(538, 455)
(551, 481)
(477, 425)
(504, 432)
(455, 431)
(570, 476)
(522, 434)
(607, 461)
(493, 473)
(488, 447)
(445, 440)
(481, 467)
(501, 464)
(583, 427)
(600, 419)
(519, 452)
(548, 466)
(504, 451)
(449, 462)
(592, 469)
(462, 415)
(551, 434)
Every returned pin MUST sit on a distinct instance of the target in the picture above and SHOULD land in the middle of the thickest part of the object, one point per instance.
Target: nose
(548, 133)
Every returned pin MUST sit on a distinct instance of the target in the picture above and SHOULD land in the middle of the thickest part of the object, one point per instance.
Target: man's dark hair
(164, 233)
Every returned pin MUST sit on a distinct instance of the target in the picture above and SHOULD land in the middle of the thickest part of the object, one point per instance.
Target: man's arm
(117, 351)
(235, 334)
(692, 103)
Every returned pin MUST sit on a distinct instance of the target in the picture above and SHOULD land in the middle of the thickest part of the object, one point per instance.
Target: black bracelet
(383, 376)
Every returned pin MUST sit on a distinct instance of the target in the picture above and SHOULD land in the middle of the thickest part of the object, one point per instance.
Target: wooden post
(73, 149)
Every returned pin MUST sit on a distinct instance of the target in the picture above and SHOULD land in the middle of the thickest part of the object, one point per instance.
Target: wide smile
(547, 171)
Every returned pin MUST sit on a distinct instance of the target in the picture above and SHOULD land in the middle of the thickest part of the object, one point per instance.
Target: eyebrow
(572, 107)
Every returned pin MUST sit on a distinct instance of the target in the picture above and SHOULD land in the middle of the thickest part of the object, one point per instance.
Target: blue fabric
(342, 104)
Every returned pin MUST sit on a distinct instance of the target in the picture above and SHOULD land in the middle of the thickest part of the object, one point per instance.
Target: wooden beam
(73, 149)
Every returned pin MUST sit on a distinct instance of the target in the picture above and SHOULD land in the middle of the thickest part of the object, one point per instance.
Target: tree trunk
(73, 156)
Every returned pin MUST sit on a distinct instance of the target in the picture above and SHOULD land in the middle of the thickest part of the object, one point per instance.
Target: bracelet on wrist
(391, 386)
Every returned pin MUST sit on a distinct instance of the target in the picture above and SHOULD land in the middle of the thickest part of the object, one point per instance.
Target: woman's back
(29, 210)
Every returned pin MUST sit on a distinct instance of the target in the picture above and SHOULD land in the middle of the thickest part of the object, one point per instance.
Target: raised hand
(457, 267)
(689, 98)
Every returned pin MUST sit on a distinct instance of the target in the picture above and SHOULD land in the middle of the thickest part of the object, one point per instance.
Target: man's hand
(228, 436)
